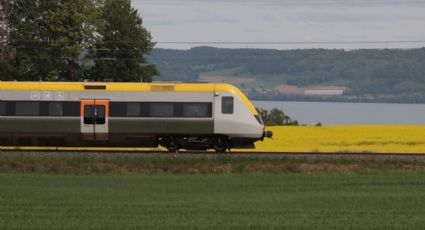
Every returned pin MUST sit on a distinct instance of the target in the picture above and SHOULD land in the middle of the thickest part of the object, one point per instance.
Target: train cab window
(2, 108)
(133, 109)
(227, 105)
(162, 109)
(94, 114)
(27, 108)
(55, 109)
(196, 110)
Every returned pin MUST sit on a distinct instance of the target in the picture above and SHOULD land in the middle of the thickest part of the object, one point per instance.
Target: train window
(118, 109)
(89, 114)
(2, 108)
(227, 105)
(158, 109)
(100, 114)
(55, 109)
(133, 109)
(196, 110)
(71, 109)
(27, 108)
(94, 114)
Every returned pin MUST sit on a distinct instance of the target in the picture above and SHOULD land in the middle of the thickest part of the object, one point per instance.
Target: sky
(285, 24)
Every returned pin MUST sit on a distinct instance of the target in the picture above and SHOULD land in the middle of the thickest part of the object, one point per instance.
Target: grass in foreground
(69, 163)
(379, 139)
(246, 201)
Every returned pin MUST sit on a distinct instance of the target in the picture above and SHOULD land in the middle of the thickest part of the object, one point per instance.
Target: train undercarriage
(172, 143)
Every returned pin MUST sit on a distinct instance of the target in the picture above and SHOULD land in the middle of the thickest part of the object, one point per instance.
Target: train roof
(116, 87)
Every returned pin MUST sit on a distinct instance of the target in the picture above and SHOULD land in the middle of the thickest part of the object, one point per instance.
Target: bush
(275, 117)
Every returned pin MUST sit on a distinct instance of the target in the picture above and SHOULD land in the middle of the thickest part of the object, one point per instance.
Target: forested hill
(388, 75)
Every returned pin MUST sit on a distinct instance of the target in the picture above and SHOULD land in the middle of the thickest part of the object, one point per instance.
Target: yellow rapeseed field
(376, 139)
(327, 139)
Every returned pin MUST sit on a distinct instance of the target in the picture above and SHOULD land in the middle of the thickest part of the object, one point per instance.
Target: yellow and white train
(85, 114)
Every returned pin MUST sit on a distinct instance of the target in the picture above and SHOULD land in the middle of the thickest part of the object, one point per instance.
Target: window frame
(225, 110)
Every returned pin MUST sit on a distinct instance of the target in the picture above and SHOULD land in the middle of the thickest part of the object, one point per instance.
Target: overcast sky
(298, 22)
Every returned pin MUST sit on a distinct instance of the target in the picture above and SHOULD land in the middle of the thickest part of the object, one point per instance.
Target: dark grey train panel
(161, 126)
(40, 125)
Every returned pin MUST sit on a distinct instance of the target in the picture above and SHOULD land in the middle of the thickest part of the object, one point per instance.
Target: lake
(336, 113)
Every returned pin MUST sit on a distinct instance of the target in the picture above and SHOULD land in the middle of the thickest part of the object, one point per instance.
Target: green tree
(120, 54)
(26, 41)
(5, 56)
(275, 117)
(4, 29)
(73, 27)
(49, 37)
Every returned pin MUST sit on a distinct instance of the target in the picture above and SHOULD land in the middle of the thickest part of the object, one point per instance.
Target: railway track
(211, 154)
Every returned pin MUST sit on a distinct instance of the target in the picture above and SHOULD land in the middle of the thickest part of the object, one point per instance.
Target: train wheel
(220, 145)
(172, 145)
(173, 148)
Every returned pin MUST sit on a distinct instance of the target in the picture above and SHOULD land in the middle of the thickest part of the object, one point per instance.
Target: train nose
(268, 134)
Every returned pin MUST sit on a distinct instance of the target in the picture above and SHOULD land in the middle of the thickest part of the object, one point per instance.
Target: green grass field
(232, 201)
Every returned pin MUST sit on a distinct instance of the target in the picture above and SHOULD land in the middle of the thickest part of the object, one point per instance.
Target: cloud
(285, 20)
(201, 15)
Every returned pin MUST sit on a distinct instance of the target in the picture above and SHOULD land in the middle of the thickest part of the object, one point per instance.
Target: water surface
(337, 113)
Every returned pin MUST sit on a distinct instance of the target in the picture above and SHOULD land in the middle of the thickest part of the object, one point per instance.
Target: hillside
(388, 75)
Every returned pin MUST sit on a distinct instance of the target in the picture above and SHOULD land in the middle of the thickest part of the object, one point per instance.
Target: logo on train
(47, 96)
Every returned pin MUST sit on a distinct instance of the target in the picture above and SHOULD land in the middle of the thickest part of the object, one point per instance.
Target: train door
(95, 120)
(224, 117)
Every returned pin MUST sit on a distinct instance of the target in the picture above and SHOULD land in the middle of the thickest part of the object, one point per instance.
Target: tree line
(384, 75)
(62, 40)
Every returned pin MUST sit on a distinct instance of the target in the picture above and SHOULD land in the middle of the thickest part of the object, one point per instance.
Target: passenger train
(86, 114)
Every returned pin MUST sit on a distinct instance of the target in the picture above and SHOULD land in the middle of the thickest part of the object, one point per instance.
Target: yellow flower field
(328, 139)
(377, 139)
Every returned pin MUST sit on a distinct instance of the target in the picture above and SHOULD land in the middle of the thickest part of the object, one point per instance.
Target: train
(191, 116)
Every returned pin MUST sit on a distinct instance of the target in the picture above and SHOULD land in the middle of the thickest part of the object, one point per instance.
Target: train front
(237, 118)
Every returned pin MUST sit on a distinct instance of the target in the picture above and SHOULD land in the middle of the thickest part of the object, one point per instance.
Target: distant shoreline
(335, 100)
